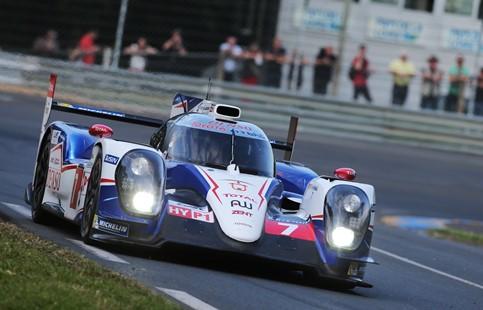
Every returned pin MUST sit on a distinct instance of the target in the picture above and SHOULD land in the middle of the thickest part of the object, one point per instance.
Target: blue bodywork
(291, 180)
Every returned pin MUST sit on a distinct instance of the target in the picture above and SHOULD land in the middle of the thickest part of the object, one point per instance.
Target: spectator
(138, 52)
(431, 83)
(86, 48)
(323, 68)
(479, 94)
(252, 63)
(174, 45)
(403, 71)
(47, 45)
(230, 51)
(458, 78)
(359, 74)
(275, 57)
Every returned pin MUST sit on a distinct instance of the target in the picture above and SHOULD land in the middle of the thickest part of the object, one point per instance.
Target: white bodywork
(66, 184)
(317, 189)
(238, 201)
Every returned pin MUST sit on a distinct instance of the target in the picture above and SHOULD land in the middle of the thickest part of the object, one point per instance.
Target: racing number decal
(290, 228)
(53, 179)
(55, 168)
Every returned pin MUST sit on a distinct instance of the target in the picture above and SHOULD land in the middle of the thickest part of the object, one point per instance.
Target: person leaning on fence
(86, 49)
(138, 52)
(47, 44)
(323, 68)
(458, 79)
(252, 65)
(431, 84)
(230, 52)
(174, 45)
(479, 94)
(402, 71)
(275, 57)
(359, 74)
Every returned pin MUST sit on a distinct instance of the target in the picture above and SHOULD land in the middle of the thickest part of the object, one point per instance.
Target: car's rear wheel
(91, 200)
(40, 215)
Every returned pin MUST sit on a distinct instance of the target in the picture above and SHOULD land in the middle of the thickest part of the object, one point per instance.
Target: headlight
(143, 202)
(351, 203)
(140, 166)
(140, 180)
(347, 214)
(342, 237)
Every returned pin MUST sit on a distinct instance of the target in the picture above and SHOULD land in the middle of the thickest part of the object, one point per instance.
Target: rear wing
(287, 146)
(52, 105)
(181, 103)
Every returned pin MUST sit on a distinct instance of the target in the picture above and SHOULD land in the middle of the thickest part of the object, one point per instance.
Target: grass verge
(36, 273)
(457, 235)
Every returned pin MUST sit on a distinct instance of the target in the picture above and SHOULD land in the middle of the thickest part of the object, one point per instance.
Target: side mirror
(346, 174)
(101, 131)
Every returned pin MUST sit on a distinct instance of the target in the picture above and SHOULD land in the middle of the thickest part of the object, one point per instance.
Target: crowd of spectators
(255, 66)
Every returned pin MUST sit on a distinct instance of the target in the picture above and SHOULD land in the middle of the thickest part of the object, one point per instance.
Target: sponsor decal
(111, 159)
(238, 185)
(240, 197)
(111, 227)
(76, 187)
(241, 212)
(55, 168)
(55, 137)
(241, 204)
(191, 213)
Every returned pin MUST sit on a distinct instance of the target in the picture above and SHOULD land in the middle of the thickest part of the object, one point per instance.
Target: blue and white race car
(205, 179)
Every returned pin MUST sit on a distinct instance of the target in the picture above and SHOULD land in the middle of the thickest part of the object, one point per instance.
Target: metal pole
(340, 51)
(119, 33)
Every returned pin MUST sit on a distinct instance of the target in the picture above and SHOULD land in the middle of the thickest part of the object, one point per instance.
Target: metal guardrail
(268, 107)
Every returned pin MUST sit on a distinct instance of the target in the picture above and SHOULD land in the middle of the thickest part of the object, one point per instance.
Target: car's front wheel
(40, 215)
(91, 199)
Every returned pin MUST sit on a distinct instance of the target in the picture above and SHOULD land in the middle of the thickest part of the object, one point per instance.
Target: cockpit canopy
(202, 140)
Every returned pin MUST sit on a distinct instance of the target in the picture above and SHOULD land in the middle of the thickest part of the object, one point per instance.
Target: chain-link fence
(306, 47)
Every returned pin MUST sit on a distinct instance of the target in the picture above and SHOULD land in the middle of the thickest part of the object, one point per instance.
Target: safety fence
(268, 107)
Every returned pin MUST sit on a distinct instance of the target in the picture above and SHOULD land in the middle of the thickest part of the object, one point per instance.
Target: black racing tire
(91, 200)
(40, 215)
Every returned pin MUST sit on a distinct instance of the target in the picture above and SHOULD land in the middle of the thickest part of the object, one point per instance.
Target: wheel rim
(91, 199)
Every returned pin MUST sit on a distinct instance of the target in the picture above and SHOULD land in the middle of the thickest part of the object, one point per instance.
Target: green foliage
(457, 235)
(35, 274)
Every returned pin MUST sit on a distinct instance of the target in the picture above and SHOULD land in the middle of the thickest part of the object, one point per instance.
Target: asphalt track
(415, 271)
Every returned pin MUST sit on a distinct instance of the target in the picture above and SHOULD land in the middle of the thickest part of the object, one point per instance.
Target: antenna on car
(209, 89)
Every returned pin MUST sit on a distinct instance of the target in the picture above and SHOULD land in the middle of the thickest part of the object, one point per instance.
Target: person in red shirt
(88, 48)
(359, 74)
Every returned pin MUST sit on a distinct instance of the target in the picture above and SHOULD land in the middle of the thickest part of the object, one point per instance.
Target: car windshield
(213, 149)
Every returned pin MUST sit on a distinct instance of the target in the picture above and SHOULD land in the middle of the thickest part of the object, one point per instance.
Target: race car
(205, 179)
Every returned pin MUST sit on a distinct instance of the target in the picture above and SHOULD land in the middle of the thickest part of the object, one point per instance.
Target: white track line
(19, 209)
(25, 211)
(442, 273)
(187, 299)
(98, 252)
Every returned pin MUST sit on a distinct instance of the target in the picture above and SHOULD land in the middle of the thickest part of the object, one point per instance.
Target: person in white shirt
(138, 52)
(230, 53)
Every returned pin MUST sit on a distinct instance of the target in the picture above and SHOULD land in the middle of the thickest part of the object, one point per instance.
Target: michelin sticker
(108, 226)
(110, 159)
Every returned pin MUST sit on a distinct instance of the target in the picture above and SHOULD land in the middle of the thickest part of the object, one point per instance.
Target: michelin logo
(111, 227)
(111, 159)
